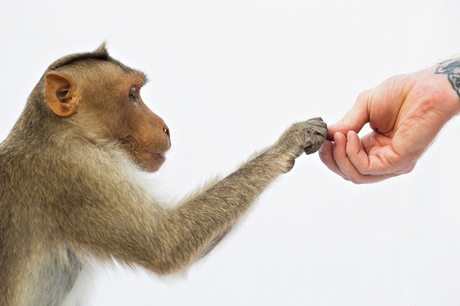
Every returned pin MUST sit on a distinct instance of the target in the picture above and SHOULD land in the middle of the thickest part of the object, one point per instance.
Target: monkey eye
(134, 94)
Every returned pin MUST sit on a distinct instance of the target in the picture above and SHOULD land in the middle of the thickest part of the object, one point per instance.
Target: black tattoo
(452, 69)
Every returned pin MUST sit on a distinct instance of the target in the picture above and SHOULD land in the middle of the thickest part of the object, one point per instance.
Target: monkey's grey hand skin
(307, 136)
(318, 133)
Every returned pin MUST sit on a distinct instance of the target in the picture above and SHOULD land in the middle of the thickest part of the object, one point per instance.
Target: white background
(228, 77)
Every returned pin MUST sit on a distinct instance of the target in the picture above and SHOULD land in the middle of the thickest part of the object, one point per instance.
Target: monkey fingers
(317, 130)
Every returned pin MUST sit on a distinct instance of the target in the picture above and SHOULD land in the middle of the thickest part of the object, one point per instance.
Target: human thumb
(354, 120)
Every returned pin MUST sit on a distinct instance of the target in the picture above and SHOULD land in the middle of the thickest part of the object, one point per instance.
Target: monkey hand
(317, 129)
(307, 136)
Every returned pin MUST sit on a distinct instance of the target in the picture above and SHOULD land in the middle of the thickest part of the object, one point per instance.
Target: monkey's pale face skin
(147, 139)
(143, 133)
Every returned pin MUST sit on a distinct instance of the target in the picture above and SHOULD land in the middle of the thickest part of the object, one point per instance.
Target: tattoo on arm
(451, 68)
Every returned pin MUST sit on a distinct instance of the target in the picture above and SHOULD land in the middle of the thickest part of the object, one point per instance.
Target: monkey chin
(151, 161)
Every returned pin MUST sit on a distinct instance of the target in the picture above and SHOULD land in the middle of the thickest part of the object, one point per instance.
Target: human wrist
(443, 79)
(451, 68)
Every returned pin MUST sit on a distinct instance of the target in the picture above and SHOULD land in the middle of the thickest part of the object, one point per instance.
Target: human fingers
(334, 153)
(353, 161)
(326, 156)
(339, 153)
(355, 118)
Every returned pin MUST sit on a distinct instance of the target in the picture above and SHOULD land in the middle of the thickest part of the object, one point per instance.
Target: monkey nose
(166, 130)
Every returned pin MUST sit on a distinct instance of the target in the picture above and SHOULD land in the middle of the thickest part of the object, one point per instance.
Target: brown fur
(68, 184)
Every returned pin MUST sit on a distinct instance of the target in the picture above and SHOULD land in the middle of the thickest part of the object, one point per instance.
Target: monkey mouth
(151, 161)
(157, 156)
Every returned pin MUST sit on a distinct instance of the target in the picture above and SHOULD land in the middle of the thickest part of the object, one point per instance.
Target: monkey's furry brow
(100, 53)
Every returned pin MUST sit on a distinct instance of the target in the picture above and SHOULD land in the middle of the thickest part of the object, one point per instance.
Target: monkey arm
(123, 221)
(118, 218)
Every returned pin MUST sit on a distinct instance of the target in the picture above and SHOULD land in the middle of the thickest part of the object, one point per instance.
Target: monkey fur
(70, 187)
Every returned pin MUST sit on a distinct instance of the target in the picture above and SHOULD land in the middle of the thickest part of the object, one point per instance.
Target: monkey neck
(33, 127)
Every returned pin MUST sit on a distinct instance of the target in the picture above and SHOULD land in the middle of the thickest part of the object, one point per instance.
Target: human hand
(405, 112)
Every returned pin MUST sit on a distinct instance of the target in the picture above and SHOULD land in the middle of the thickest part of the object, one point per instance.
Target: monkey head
(100, 97)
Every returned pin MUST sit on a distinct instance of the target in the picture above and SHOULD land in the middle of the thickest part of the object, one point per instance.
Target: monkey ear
(61, 93)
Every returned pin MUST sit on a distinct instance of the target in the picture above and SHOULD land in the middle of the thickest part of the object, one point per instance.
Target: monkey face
(143, 134)
(106, 105)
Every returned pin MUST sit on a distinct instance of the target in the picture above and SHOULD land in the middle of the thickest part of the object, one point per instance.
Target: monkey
(71, 189)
